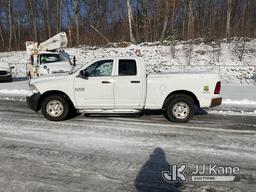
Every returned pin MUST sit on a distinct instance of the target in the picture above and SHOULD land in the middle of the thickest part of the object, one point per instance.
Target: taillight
(217, 88)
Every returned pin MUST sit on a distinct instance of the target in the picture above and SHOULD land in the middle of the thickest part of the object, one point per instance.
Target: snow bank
(16, 89)
(235, 60)
(238, 102)
(15, 92)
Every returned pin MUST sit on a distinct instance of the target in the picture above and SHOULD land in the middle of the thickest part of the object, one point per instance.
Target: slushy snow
(234, 60)
(238, 102)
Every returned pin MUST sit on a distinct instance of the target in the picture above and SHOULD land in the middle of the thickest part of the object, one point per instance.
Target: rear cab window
(127, 67)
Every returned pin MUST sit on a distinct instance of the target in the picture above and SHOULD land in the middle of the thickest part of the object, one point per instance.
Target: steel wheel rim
(55, 108)
(181, 110)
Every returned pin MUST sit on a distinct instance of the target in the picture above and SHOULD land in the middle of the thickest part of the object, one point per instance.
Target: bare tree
(173, 14)
(103, 36)
(130, 19)
(145, 20)
(59, 15)
(30, 11)
(10, 24)
(48, 15)
(77, 13)
(243, 18)
(229, 9)
(166, 19)
(1, 35)
(19, 30)
(191, 20)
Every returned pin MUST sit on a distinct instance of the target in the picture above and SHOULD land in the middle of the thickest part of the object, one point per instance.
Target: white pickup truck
(121, 85)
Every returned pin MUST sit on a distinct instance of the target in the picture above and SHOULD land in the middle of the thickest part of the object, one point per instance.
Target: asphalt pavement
(121, 153)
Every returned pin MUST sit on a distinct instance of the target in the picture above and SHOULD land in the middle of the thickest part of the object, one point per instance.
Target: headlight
(33, 89)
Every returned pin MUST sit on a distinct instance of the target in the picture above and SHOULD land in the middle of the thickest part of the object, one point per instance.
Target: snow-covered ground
(106, 154)
(239, 95)
(234, 60)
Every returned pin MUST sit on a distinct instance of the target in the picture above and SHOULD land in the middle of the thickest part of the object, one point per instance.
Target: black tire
(64, 107)
(10, 79)
(72, 111)
(187, 105)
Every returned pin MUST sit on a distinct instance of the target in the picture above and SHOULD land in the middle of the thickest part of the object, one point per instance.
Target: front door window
(100, 69)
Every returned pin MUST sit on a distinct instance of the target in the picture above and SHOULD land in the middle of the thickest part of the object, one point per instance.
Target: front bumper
(216, 102)
(33, 102)
(7, 77)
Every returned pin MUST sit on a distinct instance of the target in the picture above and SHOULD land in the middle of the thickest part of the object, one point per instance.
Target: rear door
(128, 88)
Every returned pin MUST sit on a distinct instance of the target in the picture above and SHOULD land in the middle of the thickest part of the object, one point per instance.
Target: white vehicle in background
(49, 57)
(121, 85)
(5, 72)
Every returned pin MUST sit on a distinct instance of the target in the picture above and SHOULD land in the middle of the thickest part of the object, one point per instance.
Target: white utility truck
(5, 72)
(121, 85)
(49, 57)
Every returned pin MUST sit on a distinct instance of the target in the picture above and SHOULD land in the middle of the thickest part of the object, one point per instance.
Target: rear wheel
(180, 108)
(55, 108)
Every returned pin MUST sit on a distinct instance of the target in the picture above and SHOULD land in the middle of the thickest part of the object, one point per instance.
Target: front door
(96, 89)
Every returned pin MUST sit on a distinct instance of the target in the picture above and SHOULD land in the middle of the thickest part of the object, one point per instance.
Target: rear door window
(127, 68)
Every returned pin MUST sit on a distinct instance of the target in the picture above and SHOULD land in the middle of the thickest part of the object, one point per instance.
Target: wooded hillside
(97, 22)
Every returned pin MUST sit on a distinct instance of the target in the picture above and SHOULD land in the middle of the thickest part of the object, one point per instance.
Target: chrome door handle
(135, 81)
(105, 82)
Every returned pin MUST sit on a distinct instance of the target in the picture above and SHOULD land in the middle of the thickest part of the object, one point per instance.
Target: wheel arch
(50, 93)
(185, 92)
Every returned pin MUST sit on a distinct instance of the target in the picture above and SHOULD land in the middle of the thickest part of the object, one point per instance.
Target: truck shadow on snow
(20, 78)
(149, 178)
(198, 111)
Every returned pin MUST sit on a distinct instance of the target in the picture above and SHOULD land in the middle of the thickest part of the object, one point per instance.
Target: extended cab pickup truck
(121, 85)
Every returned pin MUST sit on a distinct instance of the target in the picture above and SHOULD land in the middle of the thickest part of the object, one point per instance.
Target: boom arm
(56, 42)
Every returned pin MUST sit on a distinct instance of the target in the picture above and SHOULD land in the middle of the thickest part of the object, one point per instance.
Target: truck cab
(49, 57)
(45, 63)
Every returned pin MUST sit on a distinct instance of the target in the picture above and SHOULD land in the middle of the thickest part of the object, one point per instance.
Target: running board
(111, 111)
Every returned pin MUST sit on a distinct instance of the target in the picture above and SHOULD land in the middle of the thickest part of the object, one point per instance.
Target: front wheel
(55, 108)
(180, 109)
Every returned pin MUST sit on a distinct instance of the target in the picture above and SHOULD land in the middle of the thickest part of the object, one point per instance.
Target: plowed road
(120, 153)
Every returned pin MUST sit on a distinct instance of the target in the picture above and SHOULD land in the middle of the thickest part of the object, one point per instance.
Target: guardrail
(229, 73)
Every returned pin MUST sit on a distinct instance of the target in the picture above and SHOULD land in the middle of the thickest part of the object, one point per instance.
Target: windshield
(50, 58)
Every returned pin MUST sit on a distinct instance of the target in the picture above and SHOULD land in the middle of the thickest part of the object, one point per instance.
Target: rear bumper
(33, 102)
(216, 102)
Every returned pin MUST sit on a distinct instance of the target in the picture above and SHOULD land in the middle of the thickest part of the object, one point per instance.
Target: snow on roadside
(238, 102)
(16, 89)
(15, 92)
(237, 65)
(230, 112)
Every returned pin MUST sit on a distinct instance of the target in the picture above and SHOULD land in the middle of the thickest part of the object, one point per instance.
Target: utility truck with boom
(121, 85)
(49, 57)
